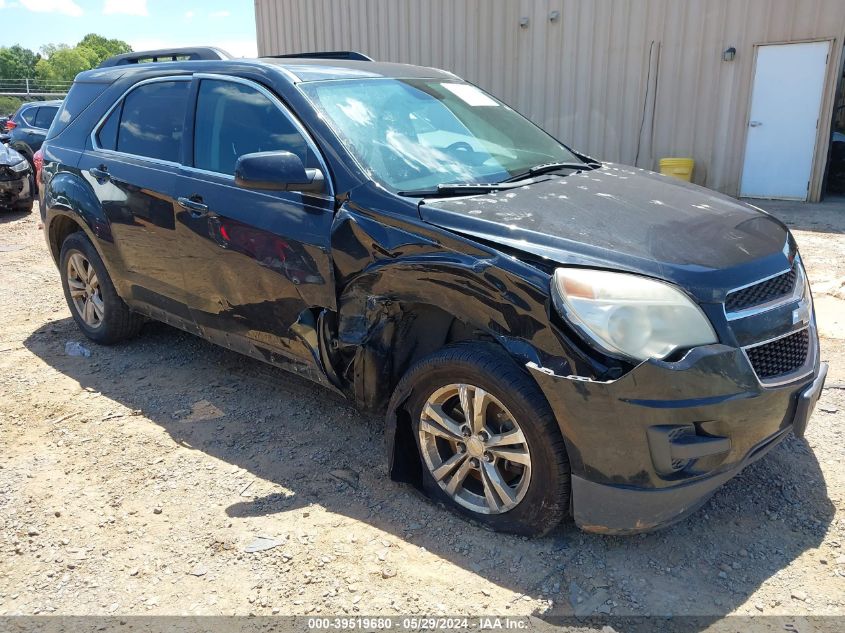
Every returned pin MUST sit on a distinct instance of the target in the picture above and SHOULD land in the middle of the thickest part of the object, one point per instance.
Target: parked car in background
(28, 126)
(544, 333)
(17, 184)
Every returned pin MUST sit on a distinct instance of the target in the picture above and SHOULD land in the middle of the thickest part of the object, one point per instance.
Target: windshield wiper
(545, 168)
(520, 180)
(458, 189)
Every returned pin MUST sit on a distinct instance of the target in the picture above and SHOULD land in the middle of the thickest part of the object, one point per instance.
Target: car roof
(305, 69)
(294, 69)
(53, 102)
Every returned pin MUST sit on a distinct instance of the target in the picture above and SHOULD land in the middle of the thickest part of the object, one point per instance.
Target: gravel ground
(137, 481)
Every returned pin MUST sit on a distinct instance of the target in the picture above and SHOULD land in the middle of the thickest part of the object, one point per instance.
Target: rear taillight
(10, 125)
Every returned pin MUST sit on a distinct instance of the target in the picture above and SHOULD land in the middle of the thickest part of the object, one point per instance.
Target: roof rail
(166, 55)
(351, 55)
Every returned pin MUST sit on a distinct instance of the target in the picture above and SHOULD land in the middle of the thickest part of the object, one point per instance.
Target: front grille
(780, 357)
(761, 293)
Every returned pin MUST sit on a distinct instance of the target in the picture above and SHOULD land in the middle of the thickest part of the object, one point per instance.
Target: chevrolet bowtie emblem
(801, 314)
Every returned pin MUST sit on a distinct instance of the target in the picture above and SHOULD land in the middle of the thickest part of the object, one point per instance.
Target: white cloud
(189, 15)
(65, 7)
(125, 7)
(219, 14)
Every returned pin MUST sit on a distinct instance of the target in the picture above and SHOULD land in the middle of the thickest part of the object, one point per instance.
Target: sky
(145, 24)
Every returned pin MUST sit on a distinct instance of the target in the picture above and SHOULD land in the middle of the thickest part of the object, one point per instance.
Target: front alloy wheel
(475, 449)
(489, 444)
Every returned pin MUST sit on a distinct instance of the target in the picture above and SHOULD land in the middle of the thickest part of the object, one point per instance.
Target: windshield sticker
(470, 95)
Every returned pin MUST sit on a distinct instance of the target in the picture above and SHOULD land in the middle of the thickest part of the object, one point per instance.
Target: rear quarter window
(81, 95)
(29, 115)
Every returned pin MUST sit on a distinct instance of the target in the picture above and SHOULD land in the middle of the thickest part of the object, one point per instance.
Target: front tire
(90, 294)
(489, 444)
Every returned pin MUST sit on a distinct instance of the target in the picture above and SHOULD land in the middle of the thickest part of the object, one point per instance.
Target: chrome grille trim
(796, 295)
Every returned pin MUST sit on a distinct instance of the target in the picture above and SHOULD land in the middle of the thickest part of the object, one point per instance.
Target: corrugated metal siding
(599, 76)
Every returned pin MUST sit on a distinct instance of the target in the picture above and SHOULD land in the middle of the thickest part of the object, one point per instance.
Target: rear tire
(521, 485)
(90, 294)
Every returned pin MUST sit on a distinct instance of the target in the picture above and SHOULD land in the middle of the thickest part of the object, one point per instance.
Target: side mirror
(5, 139)
(277, 171)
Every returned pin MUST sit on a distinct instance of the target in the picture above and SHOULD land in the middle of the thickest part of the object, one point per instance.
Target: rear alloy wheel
(93, 301)
(475, 449)
(489, 444)
(85, 290)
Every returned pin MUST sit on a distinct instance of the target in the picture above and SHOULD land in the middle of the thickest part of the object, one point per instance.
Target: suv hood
(8, 156)
(630, 219)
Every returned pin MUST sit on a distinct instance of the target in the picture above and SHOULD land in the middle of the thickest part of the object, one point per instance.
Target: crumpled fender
(386, 269)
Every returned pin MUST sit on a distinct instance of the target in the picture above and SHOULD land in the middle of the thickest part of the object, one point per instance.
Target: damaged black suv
(546, 334)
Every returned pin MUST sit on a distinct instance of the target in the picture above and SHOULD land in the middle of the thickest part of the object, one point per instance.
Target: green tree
(59, 62)
(49, 49)
(65, 64)
(104, 48)
(17, 62)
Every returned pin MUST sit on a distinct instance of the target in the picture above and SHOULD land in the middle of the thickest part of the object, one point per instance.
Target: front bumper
(15, 190)
(649, 448)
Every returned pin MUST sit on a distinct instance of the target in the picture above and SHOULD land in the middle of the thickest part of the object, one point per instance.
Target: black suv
(28, 127)
(545, 333)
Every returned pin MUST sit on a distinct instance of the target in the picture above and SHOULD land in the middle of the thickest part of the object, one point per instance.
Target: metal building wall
(624, 80)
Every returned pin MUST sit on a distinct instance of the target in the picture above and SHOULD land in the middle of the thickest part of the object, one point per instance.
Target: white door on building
(782, 128)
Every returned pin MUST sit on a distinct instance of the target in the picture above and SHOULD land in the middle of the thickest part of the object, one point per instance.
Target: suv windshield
(415, 134)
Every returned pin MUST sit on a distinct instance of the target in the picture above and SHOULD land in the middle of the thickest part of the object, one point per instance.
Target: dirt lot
(134, 481)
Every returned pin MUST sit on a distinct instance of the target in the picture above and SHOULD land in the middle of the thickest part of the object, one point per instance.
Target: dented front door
(257, 267)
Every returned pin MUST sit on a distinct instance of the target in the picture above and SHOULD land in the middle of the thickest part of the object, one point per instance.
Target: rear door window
(45, 117)
(152, 120)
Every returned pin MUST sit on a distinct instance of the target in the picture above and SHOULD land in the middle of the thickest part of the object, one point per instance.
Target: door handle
(101, 173)
(755, 124)
(193, 204)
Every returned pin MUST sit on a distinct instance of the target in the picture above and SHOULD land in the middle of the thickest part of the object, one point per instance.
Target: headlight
(629, 315)
(21, 166)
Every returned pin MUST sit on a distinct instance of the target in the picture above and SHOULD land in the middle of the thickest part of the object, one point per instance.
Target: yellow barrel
(680, 168)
